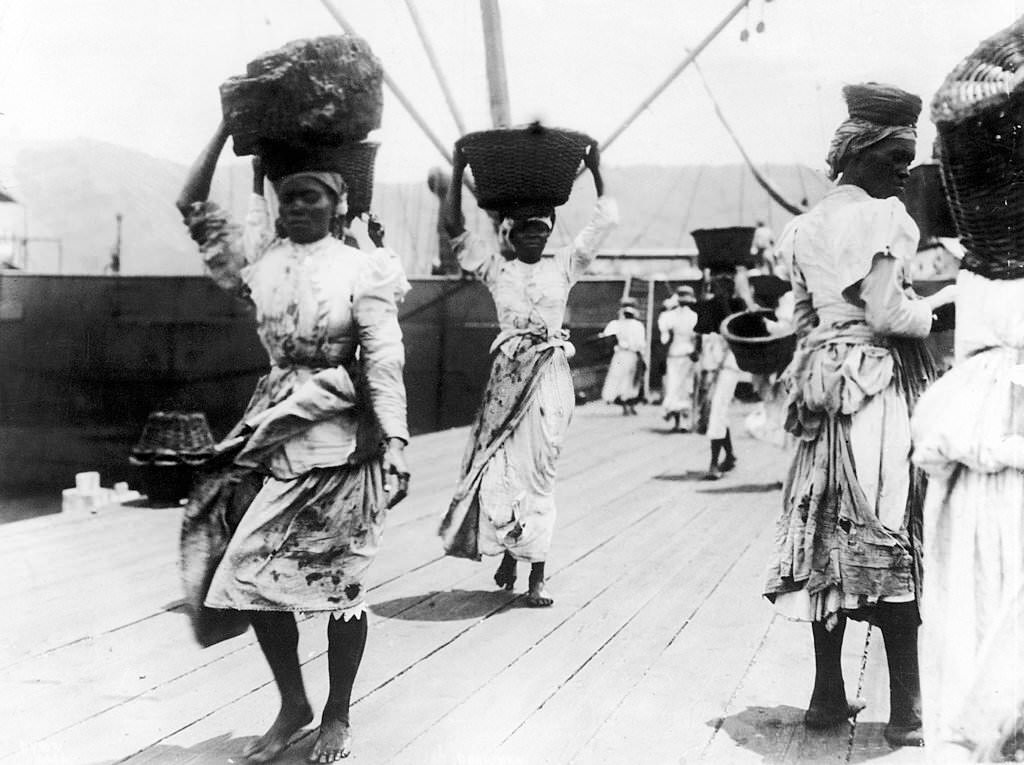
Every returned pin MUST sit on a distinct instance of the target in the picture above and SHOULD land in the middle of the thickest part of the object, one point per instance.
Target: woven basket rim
(752, 341)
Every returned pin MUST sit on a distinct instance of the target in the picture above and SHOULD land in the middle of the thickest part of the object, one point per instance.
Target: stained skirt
(305, 544)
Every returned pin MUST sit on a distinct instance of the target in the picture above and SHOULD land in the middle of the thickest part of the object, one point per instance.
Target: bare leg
(538, 596)
(278, 636)
(828, 706)
(345, 643)
(505, 576)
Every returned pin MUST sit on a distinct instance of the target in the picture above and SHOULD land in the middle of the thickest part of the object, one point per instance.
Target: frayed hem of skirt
(347, 613)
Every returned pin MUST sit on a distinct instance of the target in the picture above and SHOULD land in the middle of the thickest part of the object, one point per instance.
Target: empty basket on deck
(979, 113)
(725, 248)
(531, 165)
(756, 350)
(171, 446)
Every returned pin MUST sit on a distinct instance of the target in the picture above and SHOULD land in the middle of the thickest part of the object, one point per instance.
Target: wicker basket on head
(531, 165)
(354, 161)
(756, 350)
(725, 248)
(979, 112)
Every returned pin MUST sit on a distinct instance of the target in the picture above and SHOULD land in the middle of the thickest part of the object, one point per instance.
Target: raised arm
(452, 218)
(604, 218)
(200, 175)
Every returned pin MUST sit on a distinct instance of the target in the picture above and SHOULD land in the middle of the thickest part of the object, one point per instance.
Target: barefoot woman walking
(322, 433)
(504, 502)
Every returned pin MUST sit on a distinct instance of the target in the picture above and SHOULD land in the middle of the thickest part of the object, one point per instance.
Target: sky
(145, 73)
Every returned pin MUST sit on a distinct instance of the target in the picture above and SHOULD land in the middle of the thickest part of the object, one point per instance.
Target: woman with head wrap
(848, 541)
(623, 384)
(504, 501)
(676, 326)
(320, 445)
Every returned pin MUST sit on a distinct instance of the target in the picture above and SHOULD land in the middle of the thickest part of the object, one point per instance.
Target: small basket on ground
(725, 248)
(756, 350)
(324, 90)
(979, 113)
(171, 447)
(531, 165)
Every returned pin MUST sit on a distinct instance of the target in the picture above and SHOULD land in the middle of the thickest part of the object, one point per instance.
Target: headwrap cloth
(876, 112)
(321, 163)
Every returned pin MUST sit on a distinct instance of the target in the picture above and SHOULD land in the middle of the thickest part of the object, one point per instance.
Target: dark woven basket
(355, 161)
(979, 112)
(322, 90)
(725, 248)
(174, 438)
(926, 202)
(516, 167)
(757, 351)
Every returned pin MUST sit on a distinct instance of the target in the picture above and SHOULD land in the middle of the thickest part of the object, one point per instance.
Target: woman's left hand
(375, 230)
(396, 472)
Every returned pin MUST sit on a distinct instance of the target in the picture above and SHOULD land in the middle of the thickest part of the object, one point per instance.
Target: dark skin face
(306, 207)
(882, 170)
(529, 239)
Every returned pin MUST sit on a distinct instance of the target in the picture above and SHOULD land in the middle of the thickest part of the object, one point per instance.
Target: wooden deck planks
(659, 647)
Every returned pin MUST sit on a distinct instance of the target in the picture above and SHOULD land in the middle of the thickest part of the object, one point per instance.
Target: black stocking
(899, 622)
(829, 694)
(278, 636)
(345, 643)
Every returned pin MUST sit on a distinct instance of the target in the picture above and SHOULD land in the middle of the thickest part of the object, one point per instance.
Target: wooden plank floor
(658, 649)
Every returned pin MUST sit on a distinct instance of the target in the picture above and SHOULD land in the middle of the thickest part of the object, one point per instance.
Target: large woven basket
(979, 112)
(926, 202)
(725, 248)
(757, 351)
(524, 166)
(355, 161)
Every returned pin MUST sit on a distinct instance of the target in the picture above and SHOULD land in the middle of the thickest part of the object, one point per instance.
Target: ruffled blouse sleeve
(375, 310)
(228, 249)
(477, 256)
(888, 309)
(577, 257)
(874, 226)
(805, 317)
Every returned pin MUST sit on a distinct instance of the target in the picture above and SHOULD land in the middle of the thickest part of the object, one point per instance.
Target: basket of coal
(759, 348)
(979, 113)
(531, 165)
(725, 248)
(323, 90)
(172, 445)
(353, 160)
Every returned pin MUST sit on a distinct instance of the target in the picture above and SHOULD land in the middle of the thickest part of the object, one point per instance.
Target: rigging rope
(767, 185)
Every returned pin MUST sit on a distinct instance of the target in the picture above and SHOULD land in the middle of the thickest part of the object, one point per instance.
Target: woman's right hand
(945, 296)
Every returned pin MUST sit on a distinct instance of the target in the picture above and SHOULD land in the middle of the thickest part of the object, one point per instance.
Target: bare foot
(275, 740)
(505, 576)
(818, 718)
(538, 596)
(333, 742)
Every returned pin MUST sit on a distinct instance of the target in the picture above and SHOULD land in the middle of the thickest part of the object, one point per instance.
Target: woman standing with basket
(504, 500)
(848, 541)
(969, 427)
(320, 446)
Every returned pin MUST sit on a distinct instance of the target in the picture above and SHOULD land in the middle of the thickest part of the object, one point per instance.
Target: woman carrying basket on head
(848, 538)
(504, 501)
(321, 441)
(969, 428)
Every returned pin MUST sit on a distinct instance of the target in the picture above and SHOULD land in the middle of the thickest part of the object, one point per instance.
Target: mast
(494, 48)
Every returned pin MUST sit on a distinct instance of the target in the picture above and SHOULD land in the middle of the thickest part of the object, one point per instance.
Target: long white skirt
(621, 384)
(517, 487)
(678, 385)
